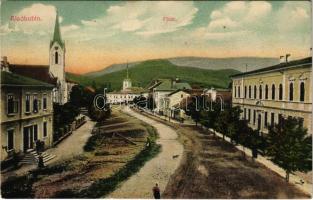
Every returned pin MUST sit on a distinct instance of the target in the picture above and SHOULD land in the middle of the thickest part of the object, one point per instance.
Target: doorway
(30, 135)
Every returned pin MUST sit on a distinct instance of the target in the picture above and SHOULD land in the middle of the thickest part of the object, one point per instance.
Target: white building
(127, 94)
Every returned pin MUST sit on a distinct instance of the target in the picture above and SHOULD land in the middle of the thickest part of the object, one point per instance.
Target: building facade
(127, 94)
(268, 95)
(26, 114)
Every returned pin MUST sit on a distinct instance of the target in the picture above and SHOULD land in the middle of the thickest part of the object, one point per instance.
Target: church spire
(127, 70)
(57, 33)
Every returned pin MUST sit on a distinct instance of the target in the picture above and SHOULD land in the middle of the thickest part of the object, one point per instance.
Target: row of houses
(266, 96)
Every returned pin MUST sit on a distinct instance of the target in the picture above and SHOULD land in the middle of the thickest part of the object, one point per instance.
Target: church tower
(127, 82)
(57, 63)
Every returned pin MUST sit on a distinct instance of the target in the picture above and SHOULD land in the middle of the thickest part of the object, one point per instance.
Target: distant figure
(40, 161)
(156, 191)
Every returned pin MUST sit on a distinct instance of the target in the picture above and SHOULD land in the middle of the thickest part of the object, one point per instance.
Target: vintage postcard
(156, 99)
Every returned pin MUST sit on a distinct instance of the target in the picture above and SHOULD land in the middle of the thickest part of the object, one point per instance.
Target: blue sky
(98, 33)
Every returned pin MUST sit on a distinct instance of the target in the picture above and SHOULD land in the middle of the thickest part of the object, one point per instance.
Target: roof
(131, 90)
(57, 33)
(39, 72)
(169, 85)
(11, 79)
(281, 66)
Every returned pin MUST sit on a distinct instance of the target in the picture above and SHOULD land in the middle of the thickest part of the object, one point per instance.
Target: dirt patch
(212, 168)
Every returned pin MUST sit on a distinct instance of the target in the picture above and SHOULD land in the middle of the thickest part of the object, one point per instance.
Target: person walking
(156, 191)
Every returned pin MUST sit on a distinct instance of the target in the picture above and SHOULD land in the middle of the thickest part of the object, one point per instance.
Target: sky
(98, 34)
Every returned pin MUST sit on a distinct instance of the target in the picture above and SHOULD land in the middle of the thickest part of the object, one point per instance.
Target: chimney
(281, 59)
(287, 56)
(4, 64)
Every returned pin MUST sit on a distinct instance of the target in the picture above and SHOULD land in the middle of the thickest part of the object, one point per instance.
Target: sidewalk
(294, 178)
(70, 147)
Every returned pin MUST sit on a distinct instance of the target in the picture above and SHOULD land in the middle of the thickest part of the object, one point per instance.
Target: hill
(225, 63)
(142, 74)
(238, 63)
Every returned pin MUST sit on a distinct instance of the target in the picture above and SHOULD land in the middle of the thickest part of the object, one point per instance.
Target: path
(157, 170)
(72, 145)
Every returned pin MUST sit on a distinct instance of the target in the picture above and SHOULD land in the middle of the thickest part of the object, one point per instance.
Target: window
(272, 119)
(44, 129)
(35, 132)
(181, 96)
(44, 102)
(260, 92)
(254, 116)
(249, 91)
(266, 91)
(265, 119)
(280, 119)
(27, 103)
(249, 115)
(10, 139)
(273, 92)
(291, 91)
(239, 91)
(280, 92)
(255, 92)
(244, 113)
(56, 57)
(245, 92)
(235, 91)
(302, 91)
(10, 104)
(35, 104)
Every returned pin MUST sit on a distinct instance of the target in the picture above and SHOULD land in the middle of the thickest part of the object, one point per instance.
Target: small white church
(127, 94)
(54, 73)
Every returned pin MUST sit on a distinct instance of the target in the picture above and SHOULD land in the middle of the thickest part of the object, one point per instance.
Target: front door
(26, 138)
(259, 122)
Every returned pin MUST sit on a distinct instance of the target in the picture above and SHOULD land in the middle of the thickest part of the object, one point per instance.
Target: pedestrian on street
(156, 191)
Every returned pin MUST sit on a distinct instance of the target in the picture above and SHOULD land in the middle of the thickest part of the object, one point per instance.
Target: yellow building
(267, 95)
(26, 113)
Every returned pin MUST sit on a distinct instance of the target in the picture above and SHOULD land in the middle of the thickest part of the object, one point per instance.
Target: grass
(95, 173)
(143, 73)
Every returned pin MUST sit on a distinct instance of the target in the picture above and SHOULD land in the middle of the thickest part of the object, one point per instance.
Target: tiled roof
(304, 61)
(11, 79)
(39, 72)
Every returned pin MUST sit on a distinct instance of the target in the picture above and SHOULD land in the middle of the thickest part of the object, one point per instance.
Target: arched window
(56, 57)
(273, 92)
(249, 91)
(245, 91)
(260, 92)
(239, 91)
(266, 91)
(255, 92)
(302, 91)
(291, 91)
(280, 92)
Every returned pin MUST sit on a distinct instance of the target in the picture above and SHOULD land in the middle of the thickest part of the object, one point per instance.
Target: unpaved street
(157, 170)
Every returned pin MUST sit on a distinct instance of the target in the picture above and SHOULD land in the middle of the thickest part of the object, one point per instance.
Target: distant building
(127, 94)
(54, 73)
(26, 113)
(270, 94)
(160, 88)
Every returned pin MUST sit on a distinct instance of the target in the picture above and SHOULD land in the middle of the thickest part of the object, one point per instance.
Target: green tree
(289, 146)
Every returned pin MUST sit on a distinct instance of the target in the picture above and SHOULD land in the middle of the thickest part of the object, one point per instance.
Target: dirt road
(157, 170)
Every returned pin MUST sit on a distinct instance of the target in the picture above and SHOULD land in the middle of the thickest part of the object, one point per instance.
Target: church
(54, 73)
(127, 94)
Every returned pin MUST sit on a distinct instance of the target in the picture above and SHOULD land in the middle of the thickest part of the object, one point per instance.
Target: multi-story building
(127, 94)
(26, 113)
(268, 95)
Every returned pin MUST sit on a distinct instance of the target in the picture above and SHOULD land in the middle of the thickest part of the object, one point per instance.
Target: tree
(99, 115)
(140, 101)
(289, 146)
(193, 109)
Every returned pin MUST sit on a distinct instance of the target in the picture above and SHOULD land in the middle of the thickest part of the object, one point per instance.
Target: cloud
(146, 19)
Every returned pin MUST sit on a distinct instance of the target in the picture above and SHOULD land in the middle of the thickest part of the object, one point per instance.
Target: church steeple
(127, 71)
(57, 33)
